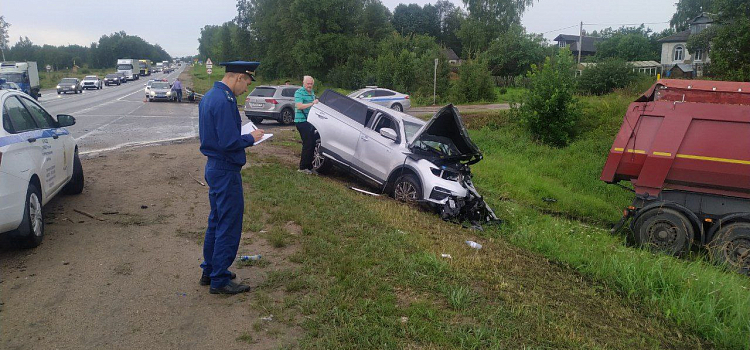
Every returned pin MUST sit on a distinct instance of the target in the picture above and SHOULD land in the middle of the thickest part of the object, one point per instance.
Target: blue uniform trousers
(224, 223)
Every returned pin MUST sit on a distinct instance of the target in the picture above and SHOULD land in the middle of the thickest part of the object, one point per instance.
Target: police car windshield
(158, 85)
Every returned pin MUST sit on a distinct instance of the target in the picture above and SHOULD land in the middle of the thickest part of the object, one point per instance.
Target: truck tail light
(272, 101)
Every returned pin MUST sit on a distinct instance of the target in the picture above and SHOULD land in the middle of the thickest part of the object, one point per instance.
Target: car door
(55, 171)
(376, 155)
(24, 150)
(339, 121)
(383, 97)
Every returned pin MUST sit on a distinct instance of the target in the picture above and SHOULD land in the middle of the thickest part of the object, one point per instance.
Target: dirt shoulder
(129, 279)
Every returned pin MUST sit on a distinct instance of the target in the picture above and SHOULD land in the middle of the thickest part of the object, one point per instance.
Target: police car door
(53, 147)
(22, 148)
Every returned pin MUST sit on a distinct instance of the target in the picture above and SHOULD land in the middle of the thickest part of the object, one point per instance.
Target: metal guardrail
(193, 96)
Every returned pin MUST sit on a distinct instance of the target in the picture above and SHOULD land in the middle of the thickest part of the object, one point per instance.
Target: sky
(176, 25)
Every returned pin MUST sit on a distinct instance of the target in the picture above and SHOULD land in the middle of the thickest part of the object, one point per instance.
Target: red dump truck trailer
(685, 148)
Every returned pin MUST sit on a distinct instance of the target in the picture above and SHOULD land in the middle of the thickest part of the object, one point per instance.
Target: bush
(474, 83)
(606, 76)
(549, 110)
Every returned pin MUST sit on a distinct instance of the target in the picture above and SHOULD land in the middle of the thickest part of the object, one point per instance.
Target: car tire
(731, 247)
(320, 163)
(407, 189)
(58, 92)
(75, 186)
(31, 231)
(256, 120)
(397, 107)
(664, 230)
(287, 116)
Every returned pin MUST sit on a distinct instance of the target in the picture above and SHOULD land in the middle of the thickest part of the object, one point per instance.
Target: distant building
(571, 42)
(452, 57)
(675, 57)
(643, 67)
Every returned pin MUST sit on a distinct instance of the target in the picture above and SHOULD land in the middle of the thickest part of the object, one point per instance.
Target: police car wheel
(75, 186)
(32, 227)
(397, 107)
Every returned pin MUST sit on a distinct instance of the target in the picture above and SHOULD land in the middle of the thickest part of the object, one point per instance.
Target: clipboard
(250, 127)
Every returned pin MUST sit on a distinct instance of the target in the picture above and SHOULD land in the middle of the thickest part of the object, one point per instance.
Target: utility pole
(434, 84)
(580, 43)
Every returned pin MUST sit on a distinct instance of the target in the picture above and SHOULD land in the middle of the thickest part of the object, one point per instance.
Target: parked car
(413, 160)
(147, 88)
(161, 90)
(112, 79)
(69, 85)
(91, 82)
(271, 102)
(384, 97)
(39, 160)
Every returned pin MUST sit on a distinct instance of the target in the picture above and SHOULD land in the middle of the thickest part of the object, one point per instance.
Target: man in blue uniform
(224, 145)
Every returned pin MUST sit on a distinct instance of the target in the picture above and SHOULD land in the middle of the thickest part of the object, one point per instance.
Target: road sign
(209, 64)
(49, 68)
(209, 71)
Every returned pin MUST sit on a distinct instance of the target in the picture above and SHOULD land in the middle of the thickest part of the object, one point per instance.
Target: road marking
(97, 129)
(135, 144)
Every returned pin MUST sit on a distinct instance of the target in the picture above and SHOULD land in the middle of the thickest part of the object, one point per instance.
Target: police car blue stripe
(37, 134)
(387, 99)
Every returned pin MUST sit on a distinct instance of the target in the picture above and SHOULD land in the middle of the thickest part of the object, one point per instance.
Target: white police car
(38, 159)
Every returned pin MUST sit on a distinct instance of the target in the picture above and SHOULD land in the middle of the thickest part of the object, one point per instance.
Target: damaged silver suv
(415, 161)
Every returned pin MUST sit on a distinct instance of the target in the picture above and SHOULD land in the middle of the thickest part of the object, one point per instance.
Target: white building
(676, 60)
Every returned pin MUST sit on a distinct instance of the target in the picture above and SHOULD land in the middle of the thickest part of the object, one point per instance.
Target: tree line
(101, 54)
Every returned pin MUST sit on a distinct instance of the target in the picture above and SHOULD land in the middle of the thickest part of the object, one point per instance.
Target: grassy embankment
(366, 262)
(50, 80)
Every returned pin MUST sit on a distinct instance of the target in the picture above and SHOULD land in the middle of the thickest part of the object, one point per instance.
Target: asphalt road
(119, 116)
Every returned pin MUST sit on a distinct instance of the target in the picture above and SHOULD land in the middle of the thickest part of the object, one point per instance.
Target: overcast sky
(175, 25)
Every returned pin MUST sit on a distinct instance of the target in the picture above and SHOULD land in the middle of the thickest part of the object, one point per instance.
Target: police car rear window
(263, 92)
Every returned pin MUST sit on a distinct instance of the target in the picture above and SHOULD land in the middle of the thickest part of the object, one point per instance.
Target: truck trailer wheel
(664, 230)
(731, 247)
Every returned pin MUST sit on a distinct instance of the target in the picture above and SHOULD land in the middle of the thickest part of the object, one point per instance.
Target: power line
(621, 24)
(554, 30)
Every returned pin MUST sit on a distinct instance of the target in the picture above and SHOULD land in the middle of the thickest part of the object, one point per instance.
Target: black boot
(206, 279)
(230, 288)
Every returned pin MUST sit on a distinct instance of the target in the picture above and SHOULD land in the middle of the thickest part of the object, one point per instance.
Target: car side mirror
(65, 120)
(389, 134)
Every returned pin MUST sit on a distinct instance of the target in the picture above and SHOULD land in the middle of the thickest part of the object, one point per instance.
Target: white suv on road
(38, 159)
(402, 155)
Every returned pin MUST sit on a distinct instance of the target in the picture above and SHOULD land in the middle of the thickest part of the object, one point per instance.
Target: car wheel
(731, 247)
(287, 116)
(407, 189)
(75, 186)
(32, 227)
(664, 230)
(397, 107)
(320, 163)
(256, 120)
(58, 92)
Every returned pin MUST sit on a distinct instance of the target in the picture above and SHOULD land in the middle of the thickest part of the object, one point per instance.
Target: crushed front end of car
(443, 153)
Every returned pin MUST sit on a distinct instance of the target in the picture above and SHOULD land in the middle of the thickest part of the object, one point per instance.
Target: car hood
(446, 124)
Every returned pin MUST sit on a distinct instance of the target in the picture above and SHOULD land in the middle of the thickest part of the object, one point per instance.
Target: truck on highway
(145, 68)
(159, 66)
(685, 148)
(25, 74)
(129, 67)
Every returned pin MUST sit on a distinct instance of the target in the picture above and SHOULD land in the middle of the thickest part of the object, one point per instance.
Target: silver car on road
(384, 97)
(271, 102)
(415, 161)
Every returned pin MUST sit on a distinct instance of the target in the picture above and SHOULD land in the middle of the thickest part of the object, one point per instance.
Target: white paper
(250, 127)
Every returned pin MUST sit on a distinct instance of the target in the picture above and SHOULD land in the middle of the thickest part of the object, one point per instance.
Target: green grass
(511, 94)
(51, 79)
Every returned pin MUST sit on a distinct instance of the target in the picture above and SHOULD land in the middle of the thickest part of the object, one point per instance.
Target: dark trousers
(179, 95)
(224, 224)
(307, 133)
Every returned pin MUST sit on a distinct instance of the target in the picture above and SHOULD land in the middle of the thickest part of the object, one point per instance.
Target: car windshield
(411, 128)
(357, 92)
(68, 81)
(263, 92)
(8, 86)
(124, 66)
(111, 76)
(158, 85)
(90, 77)
(12, 77)
(438, 145)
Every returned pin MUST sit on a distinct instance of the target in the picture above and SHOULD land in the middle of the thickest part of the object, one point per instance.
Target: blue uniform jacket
(219, 125)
